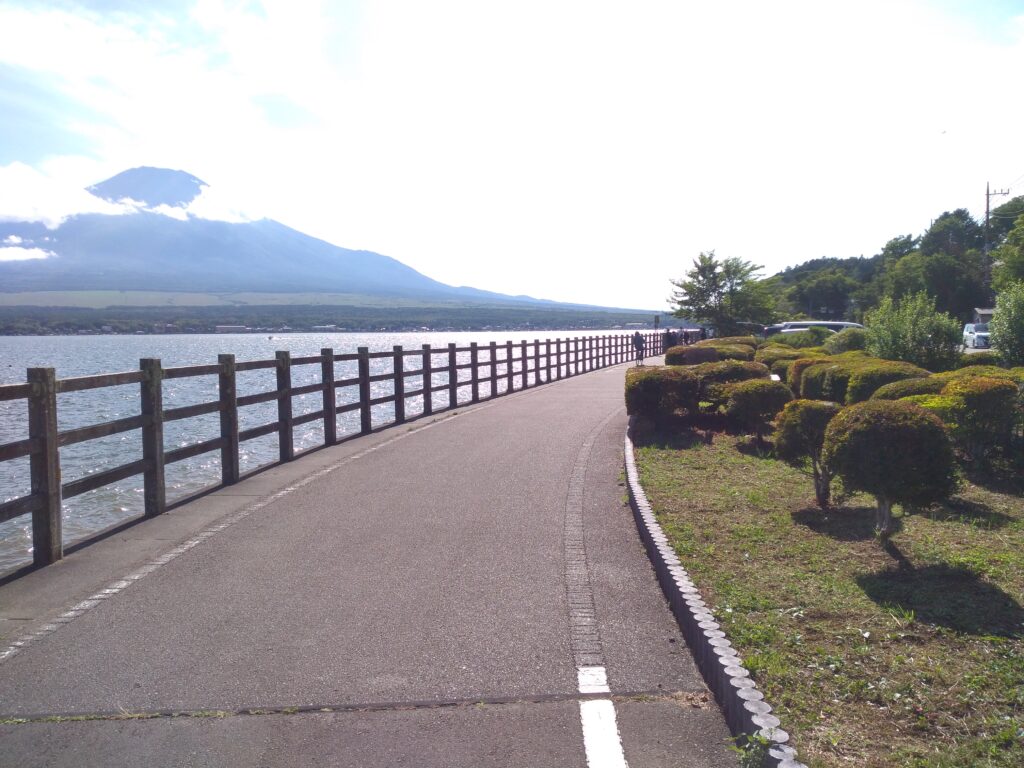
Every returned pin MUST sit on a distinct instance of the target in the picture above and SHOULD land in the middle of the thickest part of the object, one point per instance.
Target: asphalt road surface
(466, 590)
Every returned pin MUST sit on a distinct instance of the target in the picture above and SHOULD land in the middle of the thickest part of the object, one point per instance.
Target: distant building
(325, 327)
(982, 315)
(230, 328)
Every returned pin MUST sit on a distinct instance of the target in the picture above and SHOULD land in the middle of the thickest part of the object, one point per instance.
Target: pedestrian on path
(640, 346)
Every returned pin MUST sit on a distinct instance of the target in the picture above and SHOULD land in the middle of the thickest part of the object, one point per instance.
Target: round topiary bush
(655, 393)
(771, 353)
(750, 341)
(796, 370)
(895, 450)
(984, 414)
(756, 402)
(814, 336)
(800, 436)
(847, 340)
(979, 358)
(714, 377)
(691, 355)
(896, 390)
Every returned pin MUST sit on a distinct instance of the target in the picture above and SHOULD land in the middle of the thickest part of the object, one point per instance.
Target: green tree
(1007, 325)
(1003, 218)
(722, 293)
(954, 233)
(825, 295)
(1008, 258)
(912, 330)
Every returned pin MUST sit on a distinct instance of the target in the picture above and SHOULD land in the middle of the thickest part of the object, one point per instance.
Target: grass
(908, 654)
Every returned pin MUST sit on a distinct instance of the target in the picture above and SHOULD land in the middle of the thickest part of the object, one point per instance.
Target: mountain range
(154, 241)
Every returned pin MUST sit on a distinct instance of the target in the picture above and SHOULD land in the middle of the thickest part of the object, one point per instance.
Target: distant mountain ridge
(171, 249)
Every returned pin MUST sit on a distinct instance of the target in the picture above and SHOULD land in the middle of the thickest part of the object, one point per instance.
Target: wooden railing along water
(498, 369)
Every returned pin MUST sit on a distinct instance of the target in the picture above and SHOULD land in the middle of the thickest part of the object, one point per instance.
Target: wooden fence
(502, 368)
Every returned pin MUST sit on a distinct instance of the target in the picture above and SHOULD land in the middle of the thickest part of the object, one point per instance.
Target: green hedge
(755, 402)
(657, 392)
(846, 340)
(852, 377)
(814, 336)
(684, 355)
(714, 378)
(979, 358)
(897, 390)
(770, 353)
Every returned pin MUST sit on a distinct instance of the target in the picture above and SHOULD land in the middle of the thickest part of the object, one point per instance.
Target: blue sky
(575, 150)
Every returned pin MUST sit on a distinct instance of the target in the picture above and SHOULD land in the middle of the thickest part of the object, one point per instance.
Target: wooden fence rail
(517, 366)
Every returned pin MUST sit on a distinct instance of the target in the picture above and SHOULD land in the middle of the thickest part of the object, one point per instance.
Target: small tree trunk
(883, 519)
(822, 488)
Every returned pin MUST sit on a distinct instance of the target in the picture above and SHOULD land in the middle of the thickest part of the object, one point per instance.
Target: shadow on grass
(679, 436)
(842, 523)
(961, 510)
(949, 597)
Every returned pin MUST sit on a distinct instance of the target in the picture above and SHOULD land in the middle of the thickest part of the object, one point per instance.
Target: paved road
(463, 591)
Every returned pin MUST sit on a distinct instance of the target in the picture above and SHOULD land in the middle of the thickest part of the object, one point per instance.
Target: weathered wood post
(524, 364)
(398, 368)
(428, 381)
(493, 348)
(474, 373)
(230, 469)
(453, 376)
(536, 362)
(508, 367)
(547, 360)
(558, 359)
(44, 464)
(365, 415)
(576, 356)
(286, 446)
(330, 398)
(154, 488)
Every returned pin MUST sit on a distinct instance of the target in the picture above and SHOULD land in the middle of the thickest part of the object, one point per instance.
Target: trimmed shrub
(770, 353)
(1007, 324)
(756, 402)
(656, 392)
(795, 374)
(897, 390)
(972, 371)
(728, 350)
(714, 378)
(895, 450)
(691, 355)
(847, 340)
(800, 436)
(979, 358)
(814, 336)
(750, 341)
(984, 415)
(868, 377)
(912, 330)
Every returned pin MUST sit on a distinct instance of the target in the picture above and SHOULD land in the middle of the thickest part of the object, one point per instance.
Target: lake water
(86, 355)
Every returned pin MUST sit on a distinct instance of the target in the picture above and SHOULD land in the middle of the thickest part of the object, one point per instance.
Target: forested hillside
(955, 261)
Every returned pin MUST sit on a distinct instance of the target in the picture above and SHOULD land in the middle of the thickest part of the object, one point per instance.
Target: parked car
(976, 336)
(794, 326)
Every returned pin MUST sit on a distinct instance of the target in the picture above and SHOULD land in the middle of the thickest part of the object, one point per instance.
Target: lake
(86, 355)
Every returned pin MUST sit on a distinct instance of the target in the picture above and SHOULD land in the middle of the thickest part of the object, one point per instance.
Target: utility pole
(988, 261)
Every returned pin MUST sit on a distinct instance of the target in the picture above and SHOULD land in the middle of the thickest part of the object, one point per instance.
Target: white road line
(593, 680)
(601, 735)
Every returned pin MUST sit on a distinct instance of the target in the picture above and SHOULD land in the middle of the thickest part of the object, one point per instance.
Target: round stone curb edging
(744, 707)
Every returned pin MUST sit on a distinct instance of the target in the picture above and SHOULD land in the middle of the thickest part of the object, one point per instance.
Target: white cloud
(220, 206)
(12, 240)
(23, 254)
(28, 195)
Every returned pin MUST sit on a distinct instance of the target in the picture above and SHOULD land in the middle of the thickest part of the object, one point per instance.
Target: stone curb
(744, 707)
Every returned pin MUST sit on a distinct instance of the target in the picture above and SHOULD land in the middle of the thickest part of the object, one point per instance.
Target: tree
(954, 233)
(800, 435)
(825, 295)
(1009, 258)
(893, 449)
(1003, 218)
(1007, 325)
(722, 293)
(912, 330)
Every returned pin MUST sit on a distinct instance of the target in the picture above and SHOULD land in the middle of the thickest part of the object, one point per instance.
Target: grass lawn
(910, 654)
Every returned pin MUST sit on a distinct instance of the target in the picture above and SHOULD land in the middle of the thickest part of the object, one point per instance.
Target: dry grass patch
(910, 654)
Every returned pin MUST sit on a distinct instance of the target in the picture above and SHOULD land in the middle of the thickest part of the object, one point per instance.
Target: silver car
(976, 336)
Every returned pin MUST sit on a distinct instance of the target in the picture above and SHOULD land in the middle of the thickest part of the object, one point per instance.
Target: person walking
(640, 345)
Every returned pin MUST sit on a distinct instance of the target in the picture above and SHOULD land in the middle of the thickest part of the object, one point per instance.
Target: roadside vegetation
(858, 529)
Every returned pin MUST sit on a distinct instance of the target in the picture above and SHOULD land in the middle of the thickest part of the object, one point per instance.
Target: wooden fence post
(286, 445)
(365, 416)
(230, 469)
(547, 360)
(428, 381)
(47, 537)
(330, 398)
(151, 390)
(398, 368)
(508, 367)
(474, 374)
(494, 369)
(453, 376)
(524, 364)
(558, 359)
(536, 362)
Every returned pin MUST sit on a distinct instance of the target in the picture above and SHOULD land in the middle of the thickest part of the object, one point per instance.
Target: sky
(582, 151)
